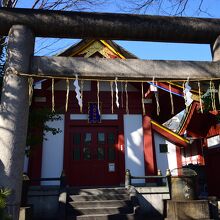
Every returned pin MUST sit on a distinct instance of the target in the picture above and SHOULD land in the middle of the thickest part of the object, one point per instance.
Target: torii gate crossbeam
(98, 68)
(63, 24)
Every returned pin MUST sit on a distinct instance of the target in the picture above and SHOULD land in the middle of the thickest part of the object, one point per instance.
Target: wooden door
(94, 156)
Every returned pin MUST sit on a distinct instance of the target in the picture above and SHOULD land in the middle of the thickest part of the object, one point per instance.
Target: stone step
(97, 191)
(101, 203)
(99, 197)
(105, 217)
(100, 210)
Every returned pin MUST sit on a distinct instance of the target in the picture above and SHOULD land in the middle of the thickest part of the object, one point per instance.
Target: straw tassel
(142, 93)
(98, 96)
(30, 88)
(171, 100)
(81, 85)
(122, 90)
(200, 98)
(212, 92)
(126, 92)
(67, 94)
(53, 102)
(112, 96)
(157, 100)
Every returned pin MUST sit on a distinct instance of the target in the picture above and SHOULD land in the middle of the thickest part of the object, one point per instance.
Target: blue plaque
(94, 113)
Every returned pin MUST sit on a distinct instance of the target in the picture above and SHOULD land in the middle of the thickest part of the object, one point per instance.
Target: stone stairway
(100, 204)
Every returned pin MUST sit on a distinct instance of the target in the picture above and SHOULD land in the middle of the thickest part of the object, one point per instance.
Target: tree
(169, 7)
(4, 193)
(37, 123)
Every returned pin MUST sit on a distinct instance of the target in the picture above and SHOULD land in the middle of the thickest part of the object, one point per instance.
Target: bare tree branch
(35, 3)
(168, 7)
(79, 5)
(47, 45)
(202, 10)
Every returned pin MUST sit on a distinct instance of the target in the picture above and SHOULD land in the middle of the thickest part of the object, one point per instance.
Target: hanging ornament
(77, 90)
(187, 94)
(171, 100)
(67, 94)
(156, 94)
(98, 96)
(153, 88)
(122, 90)
(212, 93)
(200, 98)
(81, 86)
(116, 93)
(30, 89)
(183, 86)
(126, 92)
(142, 93)
(53, 102)
(112, 96)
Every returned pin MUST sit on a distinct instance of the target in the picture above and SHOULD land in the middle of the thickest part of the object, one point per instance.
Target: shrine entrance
(93, 156)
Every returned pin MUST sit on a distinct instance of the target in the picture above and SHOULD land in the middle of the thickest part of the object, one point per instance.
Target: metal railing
(157, 179)
(62, 179)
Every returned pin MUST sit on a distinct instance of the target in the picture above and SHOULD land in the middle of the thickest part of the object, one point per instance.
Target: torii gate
(24, 25)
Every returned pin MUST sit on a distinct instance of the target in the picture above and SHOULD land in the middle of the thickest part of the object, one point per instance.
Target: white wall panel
(85, 117)
(213, 141)
(165, 160)
(134, 150)
(52, 155)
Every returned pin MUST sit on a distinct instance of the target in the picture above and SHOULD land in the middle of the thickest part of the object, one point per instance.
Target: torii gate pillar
(14, 114)
(216, 50)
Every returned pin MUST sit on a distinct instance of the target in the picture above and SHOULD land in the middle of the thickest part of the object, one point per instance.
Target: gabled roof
(169, 134)
(80, 47)
(115, 48)
(198, 124)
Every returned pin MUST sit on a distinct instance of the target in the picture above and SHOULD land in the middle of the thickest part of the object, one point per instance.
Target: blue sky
(146, 50)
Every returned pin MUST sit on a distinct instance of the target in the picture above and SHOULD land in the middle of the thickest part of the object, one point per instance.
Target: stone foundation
(188, 209)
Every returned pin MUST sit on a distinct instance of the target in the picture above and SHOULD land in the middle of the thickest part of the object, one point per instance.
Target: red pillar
(178, 157)
(34, 166)
(149, 151)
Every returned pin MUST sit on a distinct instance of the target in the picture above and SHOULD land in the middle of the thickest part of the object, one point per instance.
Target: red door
(93, 156)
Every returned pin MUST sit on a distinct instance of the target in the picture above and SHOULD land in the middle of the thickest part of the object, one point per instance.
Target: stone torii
(23, 25)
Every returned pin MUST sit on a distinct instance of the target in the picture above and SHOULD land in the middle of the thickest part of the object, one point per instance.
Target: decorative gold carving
(95, 47)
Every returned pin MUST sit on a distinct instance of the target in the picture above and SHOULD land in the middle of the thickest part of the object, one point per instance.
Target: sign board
(111, 167)
(93, 113)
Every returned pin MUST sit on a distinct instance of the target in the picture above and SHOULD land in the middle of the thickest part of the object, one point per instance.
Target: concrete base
(151, 201)
(26, 213)
(188, 209)
(45, 201)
